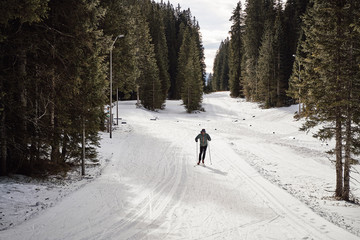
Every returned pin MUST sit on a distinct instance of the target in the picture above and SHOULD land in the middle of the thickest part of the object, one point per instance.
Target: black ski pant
(202, 152)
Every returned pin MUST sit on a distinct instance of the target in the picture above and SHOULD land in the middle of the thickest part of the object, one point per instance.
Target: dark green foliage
(294, 10)
(220, 81)
(270, 69)
(170, 23)
(56, 85)
(24, 11)
(236, 53)
(256, 14)
(119, 20)
(54, 69)
(189, 65)
(148, 79)
(312, 57)
(329, 88)
(208, 86)
(260, 53)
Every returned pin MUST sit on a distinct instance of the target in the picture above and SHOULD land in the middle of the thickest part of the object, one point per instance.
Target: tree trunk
(83, 150)
(3, 145)
(54, 142)
(348, 132)
(346, 190)
(153, 95)
(339, 123)
(137, 96)
(338, 151)
(22, 155)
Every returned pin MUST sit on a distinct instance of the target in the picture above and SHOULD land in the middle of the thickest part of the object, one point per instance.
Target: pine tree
(235, 53)
(58, 61)
(294, 10)
(76, 67)
(208, 86)
(171, 40)
(184, 55)
(199, 44)
(119, 20)
(192, 86)
(14, 45)
(270, 71)
(331, 80)
(266, 68)
(280, 50)
(352, 78)
(157, 32)
(221, 67)
(149, 82)
(254, 30)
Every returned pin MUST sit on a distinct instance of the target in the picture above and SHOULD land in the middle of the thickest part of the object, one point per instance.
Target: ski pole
(210, 154)
(196, 152)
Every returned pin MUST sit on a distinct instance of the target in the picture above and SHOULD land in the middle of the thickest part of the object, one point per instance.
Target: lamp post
(111, 47)
(299, 83)
(117, 106)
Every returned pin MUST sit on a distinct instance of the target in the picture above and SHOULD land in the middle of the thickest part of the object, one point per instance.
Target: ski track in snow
(262, 173)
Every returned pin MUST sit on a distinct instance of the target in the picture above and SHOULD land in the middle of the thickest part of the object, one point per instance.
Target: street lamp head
(119, 36)
(294, 55)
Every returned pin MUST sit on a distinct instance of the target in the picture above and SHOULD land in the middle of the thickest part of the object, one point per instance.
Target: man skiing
(203, 137)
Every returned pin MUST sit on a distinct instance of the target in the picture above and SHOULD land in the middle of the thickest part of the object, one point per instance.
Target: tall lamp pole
(299, 82)
(111, 48)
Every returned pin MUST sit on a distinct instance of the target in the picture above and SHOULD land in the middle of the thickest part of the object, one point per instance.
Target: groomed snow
(267, 180)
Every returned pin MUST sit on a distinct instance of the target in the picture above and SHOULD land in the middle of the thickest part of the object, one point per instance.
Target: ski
(200, 165)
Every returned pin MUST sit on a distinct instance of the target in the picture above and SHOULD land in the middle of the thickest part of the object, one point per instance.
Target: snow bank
(267, 181)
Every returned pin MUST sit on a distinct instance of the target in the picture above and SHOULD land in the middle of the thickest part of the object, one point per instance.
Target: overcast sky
(213, 17)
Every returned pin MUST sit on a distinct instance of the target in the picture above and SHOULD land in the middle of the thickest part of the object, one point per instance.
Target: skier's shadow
(217, 171)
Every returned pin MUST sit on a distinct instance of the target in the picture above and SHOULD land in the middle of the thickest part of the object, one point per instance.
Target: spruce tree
(270, 69)
(184, 55)
(170, 23)
(208, 86)
(119, 20)
(149, 82)
(236, 52)
(15, 21)
(254, 30)
(199, 44)
(221, 67)
(266, 68)
(192, 86)
(331, 80)
(294, 10)
(352, 78)
(157, 32)
(281, 50)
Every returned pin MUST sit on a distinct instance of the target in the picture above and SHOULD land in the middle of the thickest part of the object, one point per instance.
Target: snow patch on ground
(22, 198)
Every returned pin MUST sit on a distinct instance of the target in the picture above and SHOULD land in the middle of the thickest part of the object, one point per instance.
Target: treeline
(54, 72)
(309, 52)
(256, 61)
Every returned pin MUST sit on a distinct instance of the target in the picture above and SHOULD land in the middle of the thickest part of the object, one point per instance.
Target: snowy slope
(267, 181)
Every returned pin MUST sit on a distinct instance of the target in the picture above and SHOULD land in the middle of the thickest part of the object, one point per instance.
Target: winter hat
(203, 130)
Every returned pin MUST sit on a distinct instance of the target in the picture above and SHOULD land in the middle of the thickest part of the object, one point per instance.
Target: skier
(204, 137)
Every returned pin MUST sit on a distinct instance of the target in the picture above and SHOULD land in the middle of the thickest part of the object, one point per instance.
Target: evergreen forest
(54, 73)
(305, 52)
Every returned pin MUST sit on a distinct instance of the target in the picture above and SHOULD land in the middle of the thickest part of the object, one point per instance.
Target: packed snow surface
(263, 179)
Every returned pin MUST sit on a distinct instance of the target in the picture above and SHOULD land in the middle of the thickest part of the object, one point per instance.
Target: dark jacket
(203, 139)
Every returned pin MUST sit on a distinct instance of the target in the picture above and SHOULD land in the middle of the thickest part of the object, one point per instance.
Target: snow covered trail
(151, 189)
